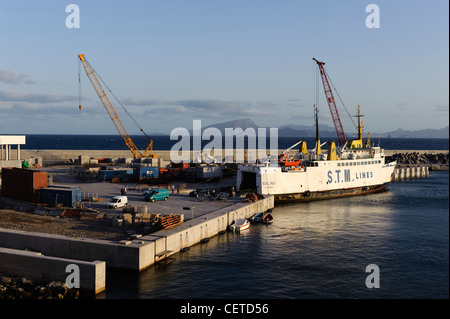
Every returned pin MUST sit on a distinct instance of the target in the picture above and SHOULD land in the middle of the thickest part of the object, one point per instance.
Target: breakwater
(410, 171)
(402, 156)
(435, 161)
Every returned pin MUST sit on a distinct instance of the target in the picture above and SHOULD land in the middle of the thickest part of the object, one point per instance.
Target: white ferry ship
(353, 169)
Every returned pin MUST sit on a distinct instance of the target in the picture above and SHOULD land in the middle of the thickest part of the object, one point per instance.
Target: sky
(170, 62)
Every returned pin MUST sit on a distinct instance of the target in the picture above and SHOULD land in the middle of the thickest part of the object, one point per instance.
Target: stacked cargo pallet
(89, 216)
(81, 215)
(170, 221)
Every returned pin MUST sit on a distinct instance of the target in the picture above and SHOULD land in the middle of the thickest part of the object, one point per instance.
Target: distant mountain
(292, 130)
(427, 133)
(325, 131)
(242, 123)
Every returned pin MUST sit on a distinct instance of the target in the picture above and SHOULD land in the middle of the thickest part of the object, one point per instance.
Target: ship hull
(321, 195)
(317, 180)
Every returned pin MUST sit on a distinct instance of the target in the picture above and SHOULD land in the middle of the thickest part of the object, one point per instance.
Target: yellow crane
(90, 72)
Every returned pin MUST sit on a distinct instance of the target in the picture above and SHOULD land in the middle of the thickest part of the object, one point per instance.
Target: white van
(117, 201)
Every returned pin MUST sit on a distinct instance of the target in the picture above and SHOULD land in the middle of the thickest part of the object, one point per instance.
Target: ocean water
(115, 142)
(317, 250)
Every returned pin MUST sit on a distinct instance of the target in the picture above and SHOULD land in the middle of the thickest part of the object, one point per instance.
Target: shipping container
(23, 184)
(108, 175)
(163, 172)
(180, 165)
(208, 171)
(145, 172)
(56, 196)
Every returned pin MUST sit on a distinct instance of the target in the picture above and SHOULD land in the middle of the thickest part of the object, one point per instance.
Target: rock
(24, 288)
(57, 287)
(26, 283)
(41, 291)
(7, 280)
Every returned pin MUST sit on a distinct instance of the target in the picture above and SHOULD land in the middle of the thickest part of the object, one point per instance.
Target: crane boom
(332, 105)
(112, 112)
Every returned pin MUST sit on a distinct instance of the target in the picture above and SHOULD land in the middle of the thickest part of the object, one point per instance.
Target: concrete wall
(49, 155)
(36, 266)
(209, 225)
(12, 163)
(411, 172)
(134, 255)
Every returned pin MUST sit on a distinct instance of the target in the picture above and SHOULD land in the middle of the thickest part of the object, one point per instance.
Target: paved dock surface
(174, 205)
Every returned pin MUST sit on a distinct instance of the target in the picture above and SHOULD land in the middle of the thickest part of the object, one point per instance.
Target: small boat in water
(267, 219)
(240, 224)
(255, 219)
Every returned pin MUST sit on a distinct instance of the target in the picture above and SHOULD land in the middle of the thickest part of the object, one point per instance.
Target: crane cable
(79, 85)
(351, 118)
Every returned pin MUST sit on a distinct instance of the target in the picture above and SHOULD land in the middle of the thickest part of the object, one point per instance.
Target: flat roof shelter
(6, 141)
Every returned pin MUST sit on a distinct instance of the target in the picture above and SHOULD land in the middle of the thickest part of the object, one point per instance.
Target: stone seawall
(70, 155)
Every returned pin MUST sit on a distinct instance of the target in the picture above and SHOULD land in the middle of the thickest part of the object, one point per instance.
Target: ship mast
(358, 143)
(316, 113)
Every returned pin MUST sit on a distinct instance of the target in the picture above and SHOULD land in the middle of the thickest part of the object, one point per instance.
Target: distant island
(292, 130)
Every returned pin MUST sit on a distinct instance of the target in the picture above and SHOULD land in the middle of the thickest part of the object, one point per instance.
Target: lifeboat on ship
(283, 160)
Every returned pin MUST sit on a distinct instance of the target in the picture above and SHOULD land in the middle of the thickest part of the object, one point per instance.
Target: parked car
(117, 201)
(199, 193)
(159, 194)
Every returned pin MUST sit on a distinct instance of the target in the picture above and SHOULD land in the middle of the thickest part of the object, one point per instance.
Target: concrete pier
(194, 231)
(45, 268)
(42, 255)
(129, 255)
(404, 172)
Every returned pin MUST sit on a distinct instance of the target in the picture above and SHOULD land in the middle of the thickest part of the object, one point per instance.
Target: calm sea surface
(115, 142)
(317, 250)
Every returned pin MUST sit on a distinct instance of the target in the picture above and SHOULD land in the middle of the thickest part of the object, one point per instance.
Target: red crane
(330, 100)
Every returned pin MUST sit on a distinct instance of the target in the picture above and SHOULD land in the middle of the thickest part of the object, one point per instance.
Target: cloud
(192, 104)
(440, 108)
(201, 104)
(9, 96)
(145, 102)
(9, 78)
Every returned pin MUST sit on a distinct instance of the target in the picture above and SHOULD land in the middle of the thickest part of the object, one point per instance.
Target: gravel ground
(12, 219)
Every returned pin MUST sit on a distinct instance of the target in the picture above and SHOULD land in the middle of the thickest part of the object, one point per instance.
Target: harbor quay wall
(45, 268)
(209, 225)
(131, 255)
(45, 256)
(417, 171)
(68, 155)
